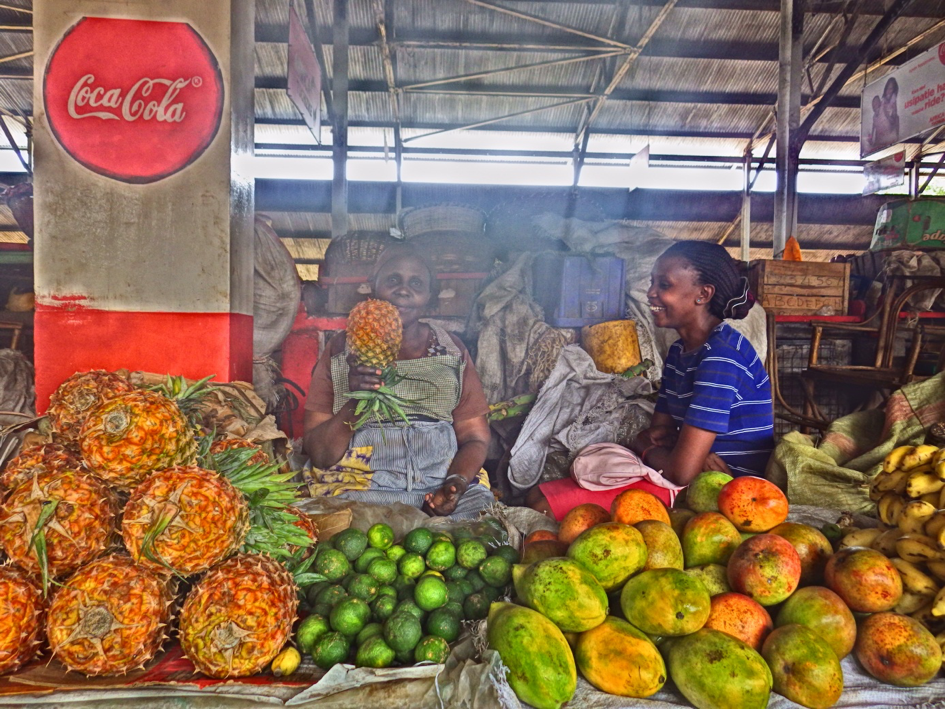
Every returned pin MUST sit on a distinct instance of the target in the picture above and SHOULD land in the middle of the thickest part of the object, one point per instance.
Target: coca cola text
(89, 101)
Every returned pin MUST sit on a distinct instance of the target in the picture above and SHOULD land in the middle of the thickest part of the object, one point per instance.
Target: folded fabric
(604, 466)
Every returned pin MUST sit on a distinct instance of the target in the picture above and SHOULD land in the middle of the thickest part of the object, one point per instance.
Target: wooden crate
(800, 287)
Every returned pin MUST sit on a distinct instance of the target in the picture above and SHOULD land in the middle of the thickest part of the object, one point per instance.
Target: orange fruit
(632, 506)
(579, 519)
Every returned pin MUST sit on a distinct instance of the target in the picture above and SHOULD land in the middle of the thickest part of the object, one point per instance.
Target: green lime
(311, 593)
(431, 572)
(380, 536)
(331, 595)
(462, 533)
(496, 571)
(470, 553)
(322, 609)
(412, 565)
(332, 564)
(310, 630)
(404, 659)
(508, 553)
(454, 592)
(386, 590)
(491, 592)
(368, 631)
(468, 588)
(330, 649)
(383, 570)
(476, 606)
(455, 573)
(443, 624)
(402, 631)
(418, 540)
(454, 608)
(383, 607)
(408, 605)
(364, 561)
(474, 580)
(432, 649)
(350, 616)
(375, 652)
(441, 555)
(396, 552)
(442, 537)
(363, 586)
(431, 593)
(351, 542)
(404, 587)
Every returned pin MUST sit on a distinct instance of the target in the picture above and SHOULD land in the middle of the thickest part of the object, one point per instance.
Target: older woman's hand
(443, 502)
(362, 377)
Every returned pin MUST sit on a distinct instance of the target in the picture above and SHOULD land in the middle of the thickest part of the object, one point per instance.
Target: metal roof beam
(927, 9)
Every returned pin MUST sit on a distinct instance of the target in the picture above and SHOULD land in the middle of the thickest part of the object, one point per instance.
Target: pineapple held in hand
(373, 338)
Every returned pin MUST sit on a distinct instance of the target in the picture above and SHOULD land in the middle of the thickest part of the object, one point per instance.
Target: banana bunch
(914, 472)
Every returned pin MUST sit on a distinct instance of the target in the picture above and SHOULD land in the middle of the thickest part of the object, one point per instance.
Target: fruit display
(383, 604)
(130, 500)
(729, 601)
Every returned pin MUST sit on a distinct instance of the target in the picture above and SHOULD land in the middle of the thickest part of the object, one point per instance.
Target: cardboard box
(800, 287)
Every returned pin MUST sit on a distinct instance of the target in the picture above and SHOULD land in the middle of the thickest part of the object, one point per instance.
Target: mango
(702, 495)
(665, 551)
(709, 538)
(564, 591)
(898, 650)
(678, 516)
(619, 659)
(803, 666)
(713, 576)
(716, 671)
(540, 662)
(612, 552)
(665, 602)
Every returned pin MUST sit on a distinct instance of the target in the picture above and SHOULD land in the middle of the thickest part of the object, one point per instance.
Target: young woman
(435, 462)
(714, 409)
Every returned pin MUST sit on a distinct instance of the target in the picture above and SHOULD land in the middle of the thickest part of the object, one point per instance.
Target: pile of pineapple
(910, 502)
(131, 500)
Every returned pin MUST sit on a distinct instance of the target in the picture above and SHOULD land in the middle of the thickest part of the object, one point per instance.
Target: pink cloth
(564, 495)
(605, 466)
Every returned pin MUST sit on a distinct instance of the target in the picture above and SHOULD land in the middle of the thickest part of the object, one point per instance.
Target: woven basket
(442, 217)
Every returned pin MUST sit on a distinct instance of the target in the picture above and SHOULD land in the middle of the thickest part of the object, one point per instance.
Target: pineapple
(78, 395)
(307, 524)
(232, 443)
(373, 338)
(56, 522)
(33, 460)
(239, 616)
(22, 609)
(186, 519)
(126, 438)
(109, 617)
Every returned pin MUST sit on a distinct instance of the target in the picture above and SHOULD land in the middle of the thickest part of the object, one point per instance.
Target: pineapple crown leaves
(38, 541)
(188, 397)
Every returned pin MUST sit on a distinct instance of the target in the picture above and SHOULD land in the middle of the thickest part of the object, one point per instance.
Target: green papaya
(540, 662)
(612, 552)
(716, 671)
(564, 591)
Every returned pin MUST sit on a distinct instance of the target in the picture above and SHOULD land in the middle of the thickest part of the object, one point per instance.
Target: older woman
(434, 462)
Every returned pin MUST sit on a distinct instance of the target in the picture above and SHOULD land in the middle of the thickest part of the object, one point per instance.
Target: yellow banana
(885, 543)
(914, 580)
(937, 569)
(919, 484)
(286, 662)
(924, 616)
(891, 481)
(940, 639)
(918, 549)
(938, 605)
(914, 515)
(873, 493)
(894, 458)
(920, 455)
(932, 498)
(889, 508)
(939, 457)
(910, 603)
(860, 538)
(939, 468)
(935, 524)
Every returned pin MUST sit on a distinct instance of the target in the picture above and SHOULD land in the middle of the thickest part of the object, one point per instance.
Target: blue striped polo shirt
(722, 387)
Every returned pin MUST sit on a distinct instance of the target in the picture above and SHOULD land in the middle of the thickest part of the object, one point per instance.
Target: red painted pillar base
(194, 345)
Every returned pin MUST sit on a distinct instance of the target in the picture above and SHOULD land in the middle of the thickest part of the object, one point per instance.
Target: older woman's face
(404, 281)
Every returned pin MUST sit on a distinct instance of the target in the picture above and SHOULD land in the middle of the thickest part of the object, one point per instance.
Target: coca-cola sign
(133, 100)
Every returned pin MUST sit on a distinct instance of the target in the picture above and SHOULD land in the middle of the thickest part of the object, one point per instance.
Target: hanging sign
(133, 100)
(885, 174)
(916, 225)
(904, 103)
(305, 76)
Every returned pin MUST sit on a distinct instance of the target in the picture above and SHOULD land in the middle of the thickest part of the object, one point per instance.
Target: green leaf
(38, 540)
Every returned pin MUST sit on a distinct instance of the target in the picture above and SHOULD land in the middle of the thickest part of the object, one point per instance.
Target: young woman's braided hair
(715, 267)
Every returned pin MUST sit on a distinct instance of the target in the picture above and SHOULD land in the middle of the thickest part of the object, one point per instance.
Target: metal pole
(746, 206)
(339, 89)
(790, 66)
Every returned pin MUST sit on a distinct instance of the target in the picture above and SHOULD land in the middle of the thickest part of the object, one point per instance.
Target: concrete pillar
(143, 117)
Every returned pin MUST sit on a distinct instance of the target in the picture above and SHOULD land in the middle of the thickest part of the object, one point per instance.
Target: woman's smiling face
(404, 281)
(674, 292)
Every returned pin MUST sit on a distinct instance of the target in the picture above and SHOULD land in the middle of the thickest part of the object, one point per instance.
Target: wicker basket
(440, 218)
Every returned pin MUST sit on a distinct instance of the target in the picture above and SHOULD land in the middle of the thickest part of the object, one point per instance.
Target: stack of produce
(384, 604)
(724, 597)
(130, 496)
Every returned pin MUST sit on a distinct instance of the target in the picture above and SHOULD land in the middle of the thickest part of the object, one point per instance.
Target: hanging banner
(305, 76)
(139, 119)
(885, 174)
(904, 103)
(916, 225)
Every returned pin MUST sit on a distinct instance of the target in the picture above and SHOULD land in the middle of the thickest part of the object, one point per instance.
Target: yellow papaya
(665, 602)
(564, 591)
(619, 659)
(612, 552)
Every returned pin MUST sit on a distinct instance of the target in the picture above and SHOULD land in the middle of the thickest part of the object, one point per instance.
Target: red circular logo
(133, 100)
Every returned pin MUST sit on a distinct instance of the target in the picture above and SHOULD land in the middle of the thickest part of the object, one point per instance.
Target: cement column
(143, 116)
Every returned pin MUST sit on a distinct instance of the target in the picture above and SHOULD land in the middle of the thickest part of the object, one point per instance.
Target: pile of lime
(385, 604)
